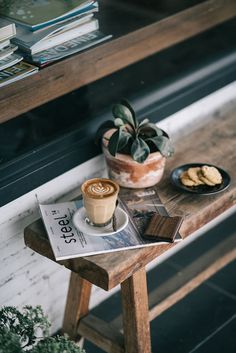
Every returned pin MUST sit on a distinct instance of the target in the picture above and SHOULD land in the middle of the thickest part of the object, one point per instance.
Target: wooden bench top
(213, 143)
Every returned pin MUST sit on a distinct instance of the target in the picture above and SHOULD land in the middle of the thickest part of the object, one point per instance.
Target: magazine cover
(39, 14)
(67, 241)
(68, 48)
(16, 72)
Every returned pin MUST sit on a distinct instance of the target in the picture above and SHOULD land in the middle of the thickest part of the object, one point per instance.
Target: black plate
(200, 189)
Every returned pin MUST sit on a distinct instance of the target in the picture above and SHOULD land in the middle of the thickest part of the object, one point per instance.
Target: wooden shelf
(102, 60)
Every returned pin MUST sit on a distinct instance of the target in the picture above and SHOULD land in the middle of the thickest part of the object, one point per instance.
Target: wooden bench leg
(135, 314)
(77, 304)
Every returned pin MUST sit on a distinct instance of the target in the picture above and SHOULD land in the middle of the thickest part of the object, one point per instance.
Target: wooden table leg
(135, 313)
(77, 304)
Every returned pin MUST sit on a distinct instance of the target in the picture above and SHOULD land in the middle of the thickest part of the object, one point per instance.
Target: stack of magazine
(47, 31)
(12, 67)
(68, 241)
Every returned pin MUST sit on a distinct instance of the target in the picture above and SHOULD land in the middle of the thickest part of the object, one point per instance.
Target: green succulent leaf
(118, 122)
(123, 140)
(124, 113)
(143, 122)
(114, 142)
(129, 106)
(132, 137)
(162, 144)
(104, 127)
(150, 130)
(139, 150)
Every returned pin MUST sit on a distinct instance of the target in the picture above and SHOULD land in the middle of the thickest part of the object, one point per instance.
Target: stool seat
(106, 270)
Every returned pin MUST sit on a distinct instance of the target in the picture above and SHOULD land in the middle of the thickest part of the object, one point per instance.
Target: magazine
(68, 48)
(4, 44)
(69, 242)
(5, 52)
(89, 25)
(7, 29)
(36, 15)
(27, 40)
(16, 72)
(9, 61)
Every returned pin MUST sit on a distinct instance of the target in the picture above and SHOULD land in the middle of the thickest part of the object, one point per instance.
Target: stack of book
(7, 56)
(50, 30)
(11, 67)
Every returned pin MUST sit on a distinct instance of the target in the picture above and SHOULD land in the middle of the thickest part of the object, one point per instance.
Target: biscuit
(185, 180)
(204, 179)
(212, 174)
(193, 175)
(205, 175)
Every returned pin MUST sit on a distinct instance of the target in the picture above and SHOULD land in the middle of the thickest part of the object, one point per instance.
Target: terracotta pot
(128, 173)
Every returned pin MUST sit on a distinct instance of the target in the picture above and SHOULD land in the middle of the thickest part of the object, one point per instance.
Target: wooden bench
(213, 143)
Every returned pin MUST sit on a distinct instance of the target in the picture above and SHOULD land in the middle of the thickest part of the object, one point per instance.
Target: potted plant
(28, 331)
(135, 152)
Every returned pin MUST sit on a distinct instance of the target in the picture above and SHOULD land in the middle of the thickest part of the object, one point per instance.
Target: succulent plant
(137, 139)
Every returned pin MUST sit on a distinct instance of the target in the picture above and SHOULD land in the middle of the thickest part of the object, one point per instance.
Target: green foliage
(55, 345)
(9, 342)
(138, 139)
(28, 330)
(27, 325)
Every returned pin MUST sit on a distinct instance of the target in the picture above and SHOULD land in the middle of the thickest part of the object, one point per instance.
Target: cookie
(204, 179)
(185, 180)
(193, 175)
(212, 174)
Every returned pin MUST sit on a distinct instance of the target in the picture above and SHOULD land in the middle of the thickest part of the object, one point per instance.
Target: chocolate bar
(163, 228)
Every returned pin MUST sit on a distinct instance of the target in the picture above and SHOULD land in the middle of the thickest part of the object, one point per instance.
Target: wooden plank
(104, 271)
(222, 255)
(215, 143)
(77, 304)
(100, 61)
(102, 334)
(135, 314)
(35, 238)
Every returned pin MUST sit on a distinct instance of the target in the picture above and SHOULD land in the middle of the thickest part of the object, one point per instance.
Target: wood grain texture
(214, 143)
(135, 313)
(77, 304)
(163, 228)
(88, 66)
(102, 334)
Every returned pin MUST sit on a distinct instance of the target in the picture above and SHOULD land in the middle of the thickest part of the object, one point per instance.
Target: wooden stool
(127, 268)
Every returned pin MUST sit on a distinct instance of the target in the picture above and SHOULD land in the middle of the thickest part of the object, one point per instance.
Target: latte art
(100, 189)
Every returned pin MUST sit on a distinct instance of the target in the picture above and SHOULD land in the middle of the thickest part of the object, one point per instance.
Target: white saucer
(79, 220)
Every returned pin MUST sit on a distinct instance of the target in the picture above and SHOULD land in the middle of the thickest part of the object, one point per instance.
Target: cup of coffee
(99, 198)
